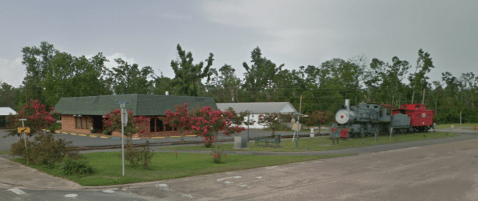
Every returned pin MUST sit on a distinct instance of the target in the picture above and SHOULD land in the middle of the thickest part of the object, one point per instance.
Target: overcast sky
(296, 33)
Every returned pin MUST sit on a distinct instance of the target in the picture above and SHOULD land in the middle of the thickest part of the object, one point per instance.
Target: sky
(295, 33)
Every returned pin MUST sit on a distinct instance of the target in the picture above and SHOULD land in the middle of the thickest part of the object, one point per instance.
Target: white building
(258, 108)
(4, 112)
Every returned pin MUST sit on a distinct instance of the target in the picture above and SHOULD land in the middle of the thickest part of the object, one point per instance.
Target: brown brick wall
(68, 123)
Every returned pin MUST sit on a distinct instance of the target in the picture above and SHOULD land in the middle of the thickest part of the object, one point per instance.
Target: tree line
(52, 74)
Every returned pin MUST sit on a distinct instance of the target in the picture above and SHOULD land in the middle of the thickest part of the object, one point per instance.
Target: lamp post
(124, 121)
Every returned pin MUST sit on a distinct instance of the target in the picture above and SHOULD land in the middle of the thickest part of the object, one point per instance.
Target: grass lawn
(323, 143)
(457, 125)
(108, 170)
(4, 152)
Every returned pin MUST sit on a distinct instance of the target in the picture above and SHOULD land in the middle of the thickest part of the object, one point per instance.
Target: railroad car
(368, 119)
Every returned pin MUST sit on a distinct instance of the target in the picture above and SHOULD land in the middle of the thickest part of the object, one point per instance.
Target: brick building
(79, 114)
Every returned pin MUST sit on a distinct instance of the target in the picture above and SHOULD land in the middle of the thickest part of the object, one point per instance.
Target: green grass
(457, 125)
(4, 152)
(108, 170)
(323, 143)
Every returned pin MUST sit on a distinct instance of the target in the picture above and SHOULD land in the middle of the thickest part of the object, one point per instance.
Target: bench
(268, 139)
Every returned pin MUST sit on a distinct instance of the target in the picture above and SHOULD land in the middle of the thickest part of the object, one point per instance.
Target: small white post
(25, 136)
(391, 131)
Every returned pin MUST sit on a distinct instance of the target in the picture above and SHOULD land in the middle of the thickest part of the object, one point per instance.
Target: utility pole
(298, 123)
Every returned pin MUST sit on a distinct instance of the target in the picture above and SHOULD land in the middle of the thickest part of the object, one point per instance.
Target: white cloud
(12, 72)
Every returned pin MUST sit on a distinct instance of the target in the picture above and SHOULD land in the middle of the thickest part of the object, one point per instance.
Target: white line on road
(235, 177)
(71, 196)
(17, 191)
(259, 177)
(108, 191)
(187, 195)
(228, 182)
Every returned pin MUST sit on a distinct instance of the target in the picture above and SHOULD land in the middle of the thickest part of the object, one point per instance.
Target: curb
(111, 137)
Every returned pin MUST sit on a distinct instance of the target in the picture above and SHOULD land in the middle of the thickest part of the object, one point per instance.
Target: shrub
(44, 149)
(92, 130)
(217, 156)
(106, 132)
(137, 156)
(81, 166)
(208, 144)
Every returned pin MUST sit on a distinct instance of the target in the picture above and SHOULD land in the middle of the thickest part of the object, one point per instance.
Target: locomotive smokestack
(347, 104)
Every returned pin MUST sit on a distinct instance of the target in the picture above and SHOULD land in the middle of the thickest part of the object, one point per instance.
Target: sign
(23, 129)
(124, 116)
(294, 127)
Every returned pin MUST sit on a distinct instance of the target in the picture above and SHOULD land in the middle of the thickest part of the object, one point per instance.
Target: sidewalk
(16, 175)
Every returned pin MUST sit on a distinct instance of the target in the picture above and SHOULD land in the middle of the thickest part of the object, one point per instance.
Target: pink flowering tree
(207, 123)
(37, 117)
(180, 119)
(112, 122)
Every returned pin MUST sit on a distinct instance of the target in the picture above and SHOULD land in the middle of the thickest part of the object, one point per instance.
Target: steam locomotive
(367, 119)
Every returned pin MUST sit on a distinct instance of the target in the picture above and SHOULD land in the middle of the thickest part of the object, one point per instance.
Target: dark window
(83, 123)
(151, 125)
(404, 107)
(159, 125)
(417, 107)
(389, 111)
(375, 106)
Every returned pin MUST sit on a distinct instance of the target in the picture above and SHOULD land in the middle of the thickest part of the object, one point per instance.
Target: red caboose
(421, 119)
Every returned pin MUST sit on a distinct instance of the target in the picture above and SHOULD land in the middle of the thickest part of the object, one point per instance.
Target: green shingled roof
(140, 104)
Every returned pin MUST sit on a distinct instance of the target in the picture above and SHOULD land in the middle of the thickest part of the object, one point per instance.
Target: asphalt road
(81, 141)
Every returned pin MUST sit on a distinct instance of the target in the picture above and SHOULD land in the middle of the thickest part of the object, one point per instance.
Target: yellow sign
(294, 126)
(23, 129)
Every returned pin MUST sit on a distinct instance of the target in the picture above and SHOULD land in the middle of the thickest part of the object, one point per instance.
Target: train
(369, 119)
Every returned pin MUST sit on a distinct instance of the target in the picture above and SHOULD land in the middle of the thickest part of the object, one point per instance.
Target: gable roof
(259, 107)
(5, 111)
(140, 104)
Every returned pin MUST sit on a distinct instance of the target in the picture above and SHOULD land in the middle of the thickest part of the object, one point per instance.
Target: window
(417, 107)
(389, 111)
(404, 107)
(78, 123)
(83, 123)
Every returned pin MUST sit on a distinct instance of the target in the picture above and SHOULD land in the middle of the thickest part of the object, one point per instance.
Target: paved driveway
(436, 172)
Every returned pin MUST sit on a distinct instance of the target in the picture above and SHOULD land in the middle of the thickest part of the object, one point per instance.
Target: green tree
(259, 78)
(188, 76)
(128, 79)
(419, 79)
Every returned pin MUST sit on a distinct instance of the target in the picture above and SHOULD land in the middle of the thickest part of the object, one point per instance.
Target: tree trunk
(215, 139)
(180, 131)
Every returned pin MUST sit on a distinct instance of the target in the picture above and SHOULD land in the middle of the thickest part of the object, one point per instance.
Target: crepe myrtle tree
(37, 117)
(207, 123)
(180, 119)
(237, 118)
(112, 122)
(318, 118)
(271, 121)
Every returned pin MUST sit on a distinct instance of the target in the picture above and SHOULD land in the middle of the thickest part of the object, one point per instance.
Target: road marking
(243, 185)
(73, 133)
(259, 177)
(57, 131)
(191, 135)
(71, 195)
(64, 132)
(187, 195)
(82, 134)
(104, 137)
(228, 182)
(235, 177)
(93, 136)
(174, 136)
(116, 138)
(163, 187)
(135, 138)
(108, 191)
(17, 191)
(157, 137)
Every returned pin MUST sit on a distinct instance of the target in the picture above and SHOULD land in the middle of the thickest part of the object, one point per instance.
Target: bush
(217, 156)
(81, 166)
(106, 132)
(44, 149)
(208, 144)
(92, 130)
(137, 156)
